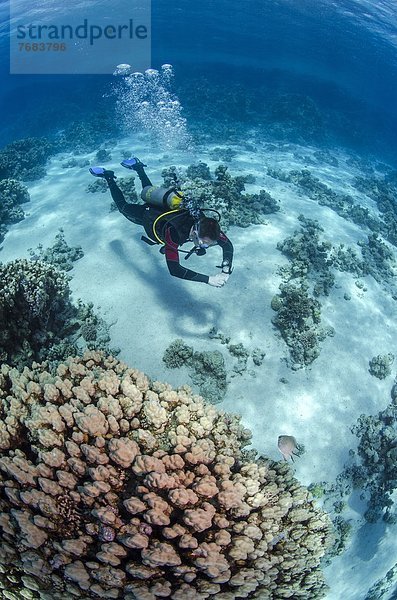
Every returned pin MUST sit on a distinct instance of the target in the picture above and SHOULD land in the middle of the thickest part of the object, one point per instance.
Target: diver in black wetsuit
(172, 228)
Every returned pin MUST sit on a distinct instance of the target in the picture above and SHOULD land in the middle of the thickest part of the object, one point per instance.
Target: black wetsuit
(173, 229)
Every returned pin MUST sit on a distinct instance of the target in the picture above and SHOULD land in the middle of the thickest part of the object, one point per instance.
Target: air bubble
(122, 69)
(144, 101)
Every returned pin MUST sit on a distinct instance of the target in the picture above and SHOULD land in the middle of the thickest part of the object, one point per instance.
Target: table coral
(161, 507)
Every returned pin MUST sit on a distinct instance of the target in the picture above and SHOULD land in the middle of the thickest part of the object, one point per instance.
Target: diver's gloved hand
(218, 280)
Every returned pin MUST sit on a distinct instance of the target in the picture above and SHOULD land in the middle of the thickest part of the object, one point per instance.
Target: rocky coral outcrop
(222, 192)
(206, 369)
(112, 486)
(298, 318)
(380, 365)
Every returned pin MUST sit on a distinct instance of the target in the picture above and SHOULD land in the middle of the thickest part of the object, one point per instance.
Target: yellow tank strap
(160, 217)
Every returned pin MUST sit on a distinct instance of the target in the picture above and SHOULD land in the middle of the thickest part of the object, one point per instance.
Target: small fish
(289, 447)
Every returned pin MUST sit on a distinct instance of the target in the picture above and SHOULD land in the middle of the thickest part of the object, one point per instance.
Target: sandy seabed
(129, 283)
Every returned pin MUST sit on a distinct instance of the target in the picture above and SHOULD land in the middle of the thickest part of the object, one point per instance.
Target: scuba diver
(168, 223)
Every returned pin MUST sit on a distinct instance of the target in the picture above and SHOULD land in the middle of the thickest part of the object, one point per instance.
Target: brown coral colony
(112, 486)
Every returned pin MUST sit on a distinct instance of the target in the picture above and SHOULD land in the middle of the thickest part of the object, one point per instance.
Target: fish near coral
(289, 447)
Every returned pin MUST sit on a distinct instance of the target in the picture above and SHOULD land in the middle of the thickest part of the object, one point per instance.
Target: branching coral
(59, 254)
(309, 256)
(38, 320)
(312, 261)
(12, 195)
(376, 467)
(298, 320)
(33, 298)
(115, 487)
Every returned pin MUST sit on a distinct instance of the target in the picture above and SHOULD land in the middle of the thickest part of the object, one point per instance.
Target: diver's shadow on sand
(368, 538)
(190, 315)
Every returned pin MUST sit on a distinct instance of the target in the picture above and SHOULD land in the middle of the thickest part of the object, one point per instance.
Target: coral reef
(325, 156)
(223, 193)
(384, 193)
(376, 471)
(126, 184)
(25, 159)
(98, 185)
(59, 254)
(223, 154)
(72, 162)
(370, 472)
(298, 320)
(34, 297)
(238, 208)
(309, 256)
(103, 155)
(312, 262)
(380, 365)
(231, 110)
(308, 272)
(333, 498)
(343, 204)
(206, 369)
(381, 588)
(373, 466)
(313, 259)
(214, 334)
(96, 129)
(295, 117)
(115, 487)
(238, 351)
(38, 320)
(378, 259)
(199, 171)
(209, 374)
(242, 355)
(258, 356)
(12, 195)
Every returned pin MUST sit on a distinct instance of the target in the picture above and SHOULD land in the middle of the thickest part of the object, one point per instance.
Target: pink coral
(99, 499)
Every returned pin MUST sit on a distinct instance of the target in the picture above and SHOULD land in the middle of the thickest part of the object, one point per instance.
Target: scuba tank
(166, 198)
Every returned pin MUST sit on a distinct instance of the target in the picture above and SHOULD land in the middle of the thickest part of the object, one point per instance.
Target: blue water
(343, 54)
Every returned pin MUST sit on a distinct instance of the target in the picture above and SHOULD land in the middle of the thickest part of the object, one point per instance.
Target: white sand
(130, 283)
